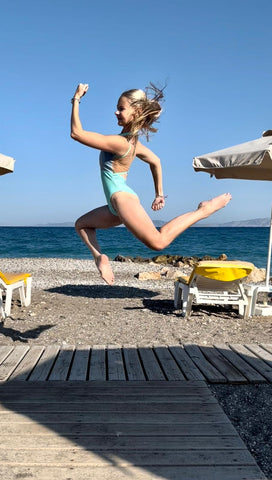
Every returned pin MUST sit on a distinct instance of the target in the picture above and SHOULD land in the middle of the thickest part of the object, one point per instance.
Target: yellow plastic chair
(15, 281)
(214, 282)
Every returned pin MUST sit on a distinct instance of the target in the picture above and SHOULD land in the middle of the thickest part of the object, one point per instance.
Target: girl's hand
(81, 90)
(158, 203)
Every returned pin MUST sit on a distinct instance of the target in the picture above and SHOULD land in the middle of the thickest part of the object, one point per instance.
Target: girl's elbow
(74, 135)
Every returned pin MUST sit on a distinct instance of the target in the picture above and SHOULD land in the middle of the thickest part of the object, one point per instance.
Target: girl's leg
(139, 223)
(86, 228)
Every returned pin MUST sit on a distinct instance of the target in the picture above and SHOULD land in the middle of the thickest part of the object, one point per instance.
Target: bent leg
(86, 228)
(139, 223)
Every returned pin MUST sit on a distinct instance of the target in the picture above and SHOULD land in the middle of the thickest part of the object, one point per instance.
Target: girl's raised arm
(108, 143)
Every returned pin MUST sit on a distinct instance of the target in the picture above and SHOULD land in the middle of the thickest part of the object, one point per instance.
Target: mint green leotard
(112, 182)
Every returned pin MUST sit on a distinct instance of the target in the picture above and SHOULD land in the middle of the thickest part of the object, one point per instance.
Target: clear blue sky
(215, 57)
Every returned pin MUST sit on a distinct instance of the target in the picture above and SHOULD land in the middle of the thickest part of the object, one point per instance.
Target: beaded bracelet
(161, 196)
(75, 98)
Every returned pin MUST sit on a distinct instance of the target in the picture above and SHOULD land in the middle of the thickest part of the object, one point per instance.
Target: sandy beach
(71, 305)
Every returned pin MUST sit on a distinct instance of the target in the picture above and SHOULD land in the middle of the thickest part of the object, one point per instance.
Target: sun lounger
(214, 282)
(9, 282)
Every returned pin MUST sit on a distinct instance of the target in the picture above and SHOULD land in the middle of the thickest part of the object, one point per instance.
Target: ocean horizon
(240, 243)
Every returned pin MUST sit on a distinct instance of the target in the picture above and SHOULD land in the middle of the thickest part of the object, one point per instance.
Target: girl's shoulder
(141, 149)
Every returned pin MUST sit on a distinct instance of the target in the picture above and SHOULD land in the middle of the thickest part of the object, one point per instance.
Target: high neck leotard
(113, 182)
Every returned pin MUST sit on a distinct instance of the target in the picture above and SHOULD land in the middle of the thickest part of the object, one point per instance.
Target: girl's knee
(157, 244)
(79, 224)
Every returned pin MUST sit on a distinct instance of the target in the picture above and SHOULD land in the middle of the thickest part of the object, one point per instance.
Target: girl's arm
(149, 157)
(108, 143)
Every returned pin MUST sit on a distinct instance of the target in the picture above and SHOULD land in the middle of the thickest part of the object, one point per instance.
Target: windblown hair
(148, 108)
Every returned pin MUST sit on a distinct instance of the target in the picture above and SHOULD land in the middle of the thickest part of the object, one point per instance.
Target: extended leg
(134, 217)
(86, 228)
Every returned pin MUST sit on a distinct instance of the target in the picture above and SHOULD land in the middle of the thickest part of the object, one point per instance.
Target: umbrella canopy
(6, 164)
(246, 161)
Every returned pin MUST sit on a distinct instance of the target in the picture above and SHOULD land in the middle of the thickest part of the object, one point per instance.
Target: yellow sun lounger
(15, 281)
(214, 282)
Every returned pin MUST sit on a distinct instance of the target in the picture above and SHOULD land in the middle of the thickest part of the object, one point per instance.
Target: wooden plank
(174, 472)
(98, 363)
(223, 365)
(62, 364)
(26, 366)
(250, 373)
(187, 366)
(144, 442)
(267, 346)
(116, 370)
(260, 352)
(79, 369)
(30, 427)
(115, 417)
(5, 350)
(74, 396)
(168, 364)
(132, 363)
(77, 457)
(150, 364)
(12, 360)
(113, 407)
(45, 363)
(262, 367)
(161, 388)
(208, 370)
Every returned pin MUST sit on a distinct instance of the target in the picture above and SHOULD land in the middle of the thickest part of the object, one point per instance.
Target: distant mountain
(64, 224)
(255, 222)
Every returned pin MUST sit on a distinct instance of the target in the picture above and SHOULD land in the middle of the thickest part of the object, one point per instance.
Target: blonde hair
(147, 109)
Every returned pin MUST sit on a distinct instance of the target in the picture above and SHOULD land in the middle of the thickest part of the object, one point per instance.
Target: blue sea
(243, 243)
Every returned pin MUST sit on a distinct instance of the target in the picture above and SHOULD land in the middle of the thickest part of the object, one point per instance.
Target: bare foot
(210, 206)
(104, 268)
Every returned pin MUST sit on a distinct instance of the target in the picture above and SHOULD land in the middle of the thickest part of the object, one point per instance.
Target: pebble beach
(72, 305)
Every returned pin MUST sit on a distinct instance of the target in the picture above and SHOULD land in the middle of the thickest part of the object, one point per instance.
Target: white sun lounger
(214, 282)
(9, 282)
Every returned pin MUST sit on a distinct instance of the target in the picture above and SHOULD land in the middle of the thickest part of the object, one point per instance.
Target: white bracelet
(75, 98)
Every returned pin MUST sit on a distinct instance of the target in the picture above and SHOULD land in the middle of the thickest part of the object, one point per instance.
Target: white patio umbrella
(6, 164)
(246, 161)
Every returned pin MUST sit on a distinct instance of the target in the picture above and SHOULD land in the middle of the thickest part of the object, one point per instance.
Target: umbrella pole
(269, 254)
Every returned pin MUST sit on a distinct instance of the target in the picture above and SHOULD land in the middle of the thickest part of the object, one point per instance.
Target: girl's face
(125, 112)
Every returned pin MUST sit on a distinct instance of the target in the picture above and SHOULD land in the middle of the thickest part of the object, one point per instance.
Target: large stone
(173, 274)
(141, 260)
(257, 275)
(148, 275)
(222, 257)
(121, 258)
(165, 259)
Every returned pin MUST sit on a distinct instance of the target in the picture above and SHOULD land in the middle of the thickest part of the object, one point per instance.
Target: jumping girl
(136, 112)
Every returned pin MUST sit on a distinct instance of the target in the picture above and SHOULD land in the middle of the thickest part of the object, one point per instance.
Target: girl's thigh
(100, 217)
(134, 217)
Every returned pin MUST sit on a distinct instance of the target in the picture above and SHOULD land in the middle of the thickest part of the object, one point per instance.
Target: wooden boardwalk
(118, 430)
(235, 364)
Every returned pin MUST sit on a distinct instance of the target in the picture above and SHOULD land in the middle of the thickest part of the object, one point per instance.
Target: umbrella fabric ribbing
(6, 164)
(248, 161)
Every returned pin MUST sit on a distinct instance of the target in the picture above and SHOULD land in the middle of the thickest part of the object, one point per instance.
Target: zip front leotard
(113, 182)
